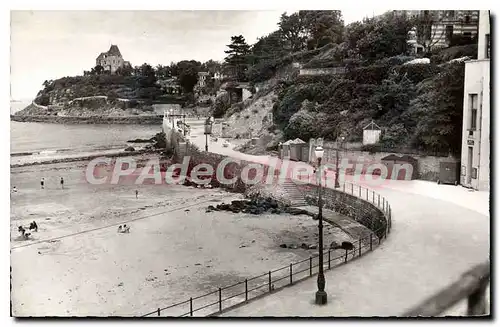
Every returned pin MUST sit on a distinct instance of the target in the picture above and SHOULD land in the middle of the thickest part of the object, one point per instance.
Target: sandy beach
(78, 265)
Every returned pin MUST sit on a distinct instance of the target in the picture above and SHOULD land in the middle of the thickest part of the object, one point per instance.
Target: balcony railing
(471, 286)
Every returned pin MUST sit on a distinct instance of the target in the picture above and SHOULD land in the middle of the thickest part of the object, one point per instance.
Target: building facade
(475, 158)
(202, 79)
(111, 60)
(450, 23)
(441, 26)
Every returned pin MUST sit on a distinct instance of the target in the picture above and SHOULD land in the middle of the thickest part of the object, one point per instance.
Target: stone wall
(321, 71)
(427, 166)
(362, 211)
(232, 170)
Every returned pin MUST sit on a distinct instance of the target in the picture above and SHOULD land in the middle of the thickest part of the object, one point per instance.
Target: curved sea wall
(364, 206)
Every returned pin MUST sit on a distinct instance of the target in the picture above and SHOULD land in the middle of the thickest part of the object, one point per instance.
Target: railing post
(379, 200)
(383, 204)
(343, 187)
(360, 191)
(352, 189)
(476, 303)
(159, 312)
(220, 299)
(270, 281)
(191, 306)
(329, 266)
(367, 194)
(359, 247)
(373, 196)
(246, 289)
(310, 266)
(291, 281)
(371, 242)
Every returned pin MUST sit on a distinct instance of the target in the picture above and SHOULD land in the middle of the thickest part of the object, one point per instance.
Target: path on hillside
(438, 233)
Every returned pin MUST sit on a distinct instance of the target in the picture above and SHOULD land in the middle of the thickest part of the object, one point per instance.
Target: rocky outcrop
(90, 110)
(144, 120)
(254, 206)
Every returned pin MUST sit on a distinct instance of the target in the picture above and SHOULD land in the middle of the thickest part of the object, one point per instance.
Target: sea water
(41, 142)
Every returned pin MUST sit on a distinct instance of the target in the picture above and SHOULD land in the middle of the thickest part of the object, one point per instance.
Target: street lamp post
(208, 130)
(172, 118)
(337, 184)
(321, 297)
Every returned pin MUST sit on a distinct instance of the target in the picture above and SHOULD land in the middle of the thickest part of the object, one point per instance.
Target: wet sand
(78, 265)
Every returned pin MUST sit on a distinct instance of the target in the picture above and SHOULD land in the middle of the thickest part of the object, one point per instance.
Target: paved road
(438, 233)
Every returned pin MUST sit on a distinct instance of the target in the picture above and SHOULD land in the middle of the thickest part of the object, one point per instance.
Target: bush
(371, 148)
(445, 55)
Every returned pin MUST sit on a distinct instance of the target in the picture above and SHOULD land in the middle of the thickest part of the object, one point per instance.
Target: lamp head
(319, 152)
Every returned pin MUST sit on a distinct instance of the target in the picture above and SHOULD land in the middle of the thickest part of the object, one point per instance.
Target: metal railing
(215, 302)
(471, 286)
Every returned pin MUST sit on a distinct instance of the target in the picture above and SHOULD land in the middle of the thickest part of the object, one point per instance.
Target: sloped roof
(296, 141)
(101, 56)
(114, 51)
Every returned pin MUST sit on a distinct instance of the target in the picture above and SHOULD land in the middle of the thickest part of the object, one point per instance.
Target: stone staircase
(296, 197)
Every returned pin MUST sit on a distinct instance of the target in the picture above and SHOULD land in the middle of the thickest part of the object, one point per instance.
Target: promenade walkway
(438, 232)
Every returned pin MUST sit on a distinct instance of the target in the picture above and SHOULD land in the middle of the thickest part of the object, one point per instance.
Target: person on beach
(62, 183)
(42, 183)
(14, 189)
(136, 194)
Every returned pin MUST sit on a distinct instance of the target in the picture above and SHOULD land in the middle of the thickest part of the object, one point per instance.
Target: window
(467, 19)
(468, 35)
(450, 13)
(473, 111)
(487, 36)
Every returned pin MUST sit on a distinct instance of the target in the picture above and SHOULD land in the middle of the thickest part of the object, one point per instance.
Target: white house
(475, 169)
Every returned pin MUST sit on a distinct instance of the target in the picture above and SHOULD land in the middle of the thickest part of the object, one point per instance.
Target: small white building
(202, 79)
(371, 133)
(475, 159)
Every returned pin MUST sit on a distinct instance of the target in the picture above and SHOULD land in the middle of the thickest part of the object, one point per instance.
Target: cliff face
(94, 95)
(88, 107)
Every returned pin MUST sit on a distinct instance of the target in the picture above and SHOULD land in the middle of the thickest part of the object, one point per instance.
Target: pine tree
(237, 57)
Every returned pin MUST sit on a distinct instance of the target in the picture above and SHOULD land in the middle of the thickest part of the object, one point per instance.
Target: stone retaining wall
(360, 210)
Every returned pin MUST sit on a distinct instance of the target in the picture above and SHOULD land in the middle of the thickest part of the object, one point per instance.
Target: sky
(52, 44)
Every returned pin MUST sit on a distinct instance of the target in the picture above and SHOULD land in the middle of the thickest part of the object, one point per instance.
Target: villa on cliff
(111, 60)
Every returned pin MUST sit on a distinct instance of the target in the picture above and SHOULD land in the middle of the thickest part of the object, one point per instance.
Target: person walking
(62, 183)
(42, 183)
(14, 189)
(136, 194)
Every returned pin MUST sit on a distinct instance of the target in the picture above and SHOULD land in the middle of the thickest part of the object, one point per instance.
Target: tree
(147, 76)
(426, 35)
(97, 70)
(237, 57)
(188, 74)
(125, 70)
(438, 110)
(293, 31)
(211, 66)
(322, 26)
(382, 37)
(162, 72)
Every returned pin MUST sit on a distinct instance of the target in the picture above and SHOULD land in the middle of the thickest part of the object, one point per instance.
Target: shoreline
(117, 154)
(142, 120)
